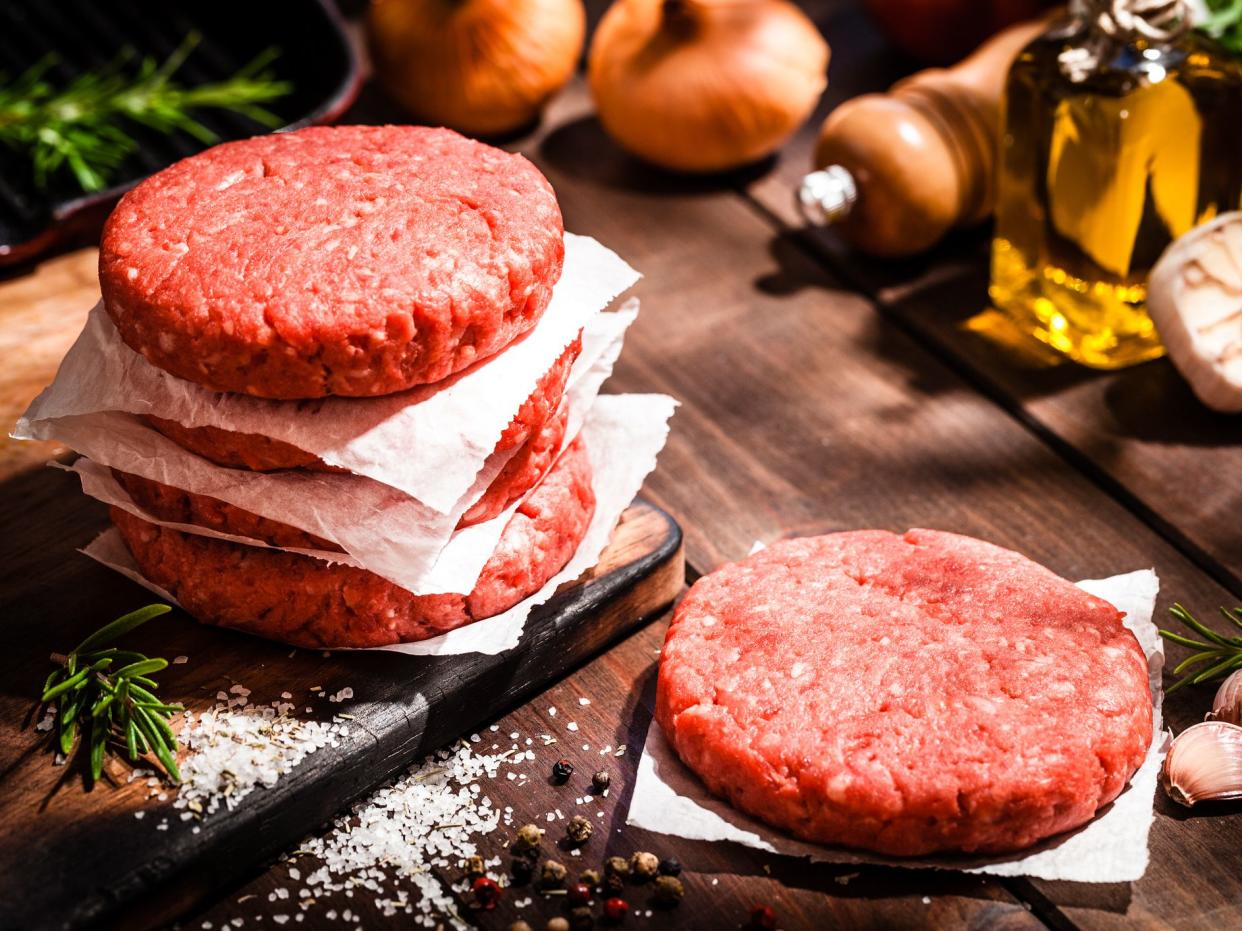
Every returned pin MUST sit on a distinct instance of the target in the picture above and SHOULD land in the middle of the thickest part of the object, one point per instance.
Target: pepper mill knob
(899, 170)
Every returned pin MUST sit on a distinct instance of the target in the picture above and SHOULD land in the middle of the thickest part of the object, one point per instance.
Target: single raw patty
(260, 453)
(348, 260)
(520, 474)
(309, 603)
(904, 694)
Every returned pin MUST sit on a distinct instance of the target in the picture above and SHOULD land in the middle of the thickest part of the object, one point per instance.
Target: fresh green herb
(1224, 23)
(81, 126)
(109, 694)
(1215, 656)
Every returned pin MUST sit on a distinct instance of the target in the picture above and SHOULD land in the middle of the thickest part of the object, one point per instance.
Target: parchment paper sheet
(670, 799)
(381, 528)
(453, 427)
(624, 434)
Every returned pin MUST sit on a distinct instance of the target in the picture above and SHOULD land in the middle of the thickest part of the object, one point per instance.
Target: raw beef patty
(306, 602)
(348, 260)
(264, 454)
(905, 694)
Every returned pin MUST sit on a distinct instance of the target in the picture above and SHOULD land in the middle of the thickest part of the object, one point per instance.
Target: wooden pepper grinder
(903, 168)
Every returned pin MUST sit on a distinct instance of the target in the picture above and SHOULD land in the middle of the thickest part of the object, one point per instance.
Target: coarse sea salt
(234, 749)
(428, 820)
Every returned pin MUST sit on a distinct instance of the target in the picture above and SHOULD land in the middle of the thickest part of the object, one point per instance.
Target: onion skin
(705, 85)
(482, 67)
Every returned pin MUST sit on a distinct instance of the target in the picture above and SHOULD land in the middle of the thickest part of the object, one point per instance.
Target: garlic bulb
(1204, 764)
(705, 85)
(1228, 703)
(1194, 296)
(479, 66)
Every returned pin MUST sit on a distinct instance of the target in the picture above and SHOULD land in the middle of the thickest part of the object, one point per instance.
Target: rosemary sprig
(1224, 23)
(81, 126)
(109, 694)
(1215, 656)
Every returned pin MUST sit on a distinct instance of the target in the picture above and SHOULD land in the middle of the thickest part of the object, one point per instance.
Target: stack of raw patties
(341, 388)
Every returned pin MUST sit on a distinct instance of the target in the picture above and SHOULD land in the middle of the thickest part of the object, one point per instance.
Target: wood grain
(822, 390)
(1138, 435)
(70, 858)
(722, 881)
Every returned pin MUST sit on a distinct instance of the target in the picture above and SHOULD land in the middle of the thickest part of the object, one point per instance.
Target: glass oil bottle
(1118, 137)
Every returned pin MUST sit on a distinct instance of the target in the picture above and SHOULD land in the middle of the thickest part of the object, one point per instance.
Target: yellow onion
(705, 85)
(479, 66)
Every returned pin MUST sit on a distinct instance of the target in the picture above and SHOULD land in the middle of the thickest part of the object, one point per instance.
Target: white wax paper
(453, 427)
(670, 799)
(381, 528)
(624, 434)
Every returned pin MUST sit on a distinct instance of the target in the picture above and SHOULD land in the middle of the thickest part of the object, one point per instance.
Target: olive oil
(1111, 148)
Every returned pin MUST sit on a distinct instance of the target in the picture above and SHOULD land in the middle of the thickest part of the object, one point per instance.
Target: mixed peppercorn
(552, 876)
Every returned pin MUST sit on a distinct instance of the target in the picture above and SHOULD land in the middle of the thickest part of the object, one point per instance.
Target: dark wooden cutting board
(70, 859)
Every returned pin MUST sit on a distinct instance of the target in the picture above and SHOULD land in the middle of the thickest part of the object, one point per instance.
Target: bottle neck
(1125, 21)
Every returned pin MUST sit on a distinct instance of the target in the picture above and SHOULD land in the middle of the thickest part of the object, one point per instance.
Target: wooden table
(820, 391)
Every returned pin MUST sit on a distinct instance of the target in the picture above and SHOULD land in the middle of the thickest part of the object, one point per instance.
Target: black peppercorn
(600, 781)
(670, 866)
(580, 919)
(522, 868)
(562, 770)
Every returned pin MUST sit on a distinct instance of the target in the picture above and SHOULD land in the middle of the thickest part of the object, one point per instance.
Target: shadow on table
(581, 149)
(1149, 402)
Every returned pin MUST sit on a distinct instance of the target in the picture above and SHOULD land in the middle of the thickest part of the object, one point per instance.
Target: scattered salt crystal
(494, 728)
(584, 701)
(423, 823)
(572, 726)
(286, 695)
(235, 748)
(552, 711)
(140, 815)
(927, 900)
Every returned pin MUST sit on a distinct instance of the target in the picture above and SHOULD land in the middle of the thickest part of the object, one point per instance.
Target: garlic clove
(1194, 296)
(1204, 764)
(1227, 705)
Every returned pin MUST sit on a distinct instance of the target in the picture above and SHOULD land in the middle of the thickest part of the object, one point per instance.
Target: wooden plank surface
(70, 858)
(809, 406)
(722, 881)
(1139, 431)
